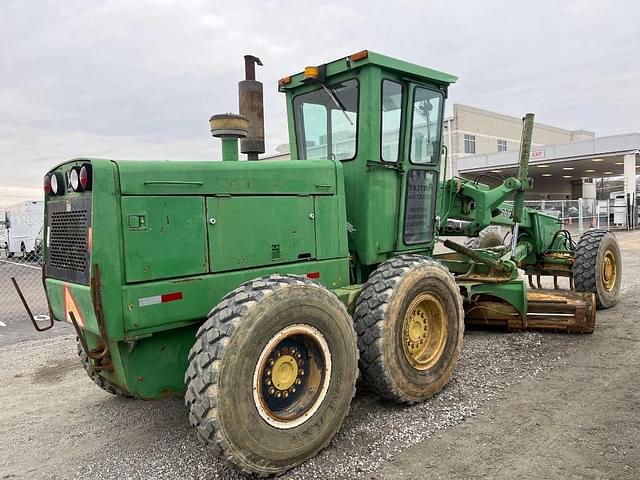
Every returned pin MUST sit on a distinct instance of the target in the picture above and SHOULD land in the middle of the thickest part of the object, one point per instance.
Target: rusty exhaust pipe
(252, 107)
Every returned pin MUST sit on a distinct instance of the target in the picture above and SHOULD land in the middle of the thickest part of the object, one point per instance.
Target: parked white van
(23, 223)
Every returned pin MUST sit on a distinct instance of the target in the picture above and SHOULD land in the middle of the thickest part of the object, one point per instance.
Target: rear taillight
(85, 177)
(74, 179)
(57, 183)
(47, 184)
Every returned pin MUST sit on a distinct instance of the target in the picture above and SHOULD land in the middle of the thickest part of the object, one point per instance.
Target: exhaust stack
(252, 107)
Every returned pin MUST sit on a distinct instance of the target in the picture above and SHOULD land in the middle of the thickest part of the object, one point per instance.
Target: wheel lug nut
(298, 382)
(298, 355)
(278, 394)
(272, 390)
(301, 373)
(293, 389)
(268, 382)
(285, 394)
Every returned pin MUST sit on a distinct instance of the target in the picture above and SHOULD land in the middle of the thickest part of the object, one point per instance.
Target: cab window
(425, 129)
(326, 122)
(391, 107)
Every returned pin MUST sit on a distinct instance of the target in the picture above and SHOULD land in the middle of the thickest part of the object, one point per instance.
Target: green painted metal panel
(234, 178)
(163, 237)
(200, 294)
(331, 227)
(76, 298)
(545, 227)
(514, 292)
(154, 367)
(395, 65)
(379, 221)
(246, 232)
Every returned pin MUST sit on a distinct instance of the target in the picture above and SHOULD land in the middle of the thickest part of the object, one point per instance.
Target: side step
(548, 310)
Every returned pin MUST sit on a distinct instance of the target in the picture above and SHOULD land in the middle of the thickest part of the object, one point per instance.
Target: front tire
(488, 237)
(598, 267)
(410, 323)
(272, 374)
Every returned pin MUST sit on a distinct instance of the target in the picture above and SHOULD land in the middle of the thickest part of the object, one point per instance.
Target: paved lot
(523, 405)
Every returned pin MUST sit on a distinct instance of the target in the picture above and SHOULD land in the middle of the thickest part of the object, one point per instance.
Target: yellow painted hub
(609, 271)
(424, 331)
(284, 372)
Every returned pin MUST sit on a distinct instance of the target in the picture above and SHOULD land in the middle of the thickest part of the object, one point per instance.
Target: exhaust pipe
(252, 107)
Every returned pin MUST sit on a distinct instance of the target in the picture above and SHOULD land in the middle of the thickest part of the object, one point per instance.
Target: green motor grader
(261, 287)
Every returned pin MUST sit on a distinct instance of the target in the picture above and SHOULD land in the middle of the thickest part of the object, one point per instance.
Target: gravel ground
(55, 424)
(79, 431)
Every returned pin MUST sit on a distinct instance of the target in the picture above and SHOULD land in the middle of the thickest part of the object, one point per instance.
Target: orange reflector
(359, 56)
(313, 275)
(70, 305)
(284, 80)
(311, 72)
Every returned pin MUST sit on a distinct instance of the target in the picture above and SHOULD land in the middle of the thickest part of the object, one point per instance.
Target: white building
(473, 131)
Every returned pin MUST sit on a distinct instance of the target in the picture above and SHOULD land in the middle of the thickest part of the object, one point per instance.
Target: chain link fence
(21, 258)
(583, 214)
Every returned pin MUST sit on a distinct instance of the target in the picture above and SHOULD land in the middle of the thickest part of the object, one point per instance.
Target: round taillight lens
(74, 180)
(47, 184)
(85, 177)
(57, 184)
(54, 184)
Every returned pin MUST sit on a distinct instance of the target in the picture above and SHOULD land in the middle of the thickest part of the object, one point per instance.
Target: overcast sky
(139, 79)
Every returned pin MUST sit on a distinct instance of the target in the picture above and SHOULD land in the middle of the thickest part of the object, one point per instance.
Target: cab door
(424, 106)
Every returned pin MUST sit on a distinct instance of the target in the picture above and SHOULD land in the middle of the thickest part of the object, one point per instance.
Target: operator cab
(382, 119)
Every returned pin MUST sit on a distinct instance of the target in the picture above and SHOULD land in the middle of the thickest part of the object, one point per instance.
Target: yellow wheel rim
(284, 372)
(291, 376)
(424, 331)
(609, 271)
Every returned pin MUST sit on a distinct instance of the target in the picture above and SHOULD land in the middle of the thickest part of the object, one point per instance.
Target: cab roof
(367, 57)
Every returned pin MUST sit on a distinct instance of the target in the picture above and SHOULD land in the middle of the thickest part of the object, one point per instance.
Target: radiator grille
(68, 240)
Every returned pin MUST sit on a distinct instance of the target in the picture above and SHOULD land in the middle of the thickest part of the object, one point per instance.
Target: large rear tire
(272, 374)
(598, 267)
(410, 323)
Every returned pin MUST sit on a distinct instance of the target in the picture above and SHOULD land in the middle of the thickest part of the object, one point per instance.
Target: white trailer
(619, 202)
(3, 231)
(23, 223)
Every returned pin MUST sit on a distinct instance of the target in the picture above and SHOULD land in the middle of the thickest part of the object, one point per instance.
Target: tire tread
(212, 337)
(370, 317)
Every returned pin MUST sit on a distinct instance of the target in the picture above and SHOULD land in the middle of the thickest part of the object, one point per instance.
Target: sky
(139, 79)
